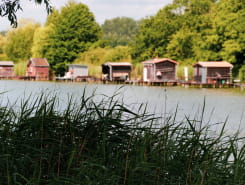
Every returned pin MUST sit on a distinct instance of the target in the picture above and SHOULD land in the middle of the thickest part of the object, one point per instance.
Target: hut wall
(121, 72)
(79, 71)
(42, 73)
(6, 71)
(148, 72)
(223, 72)
(167, 70)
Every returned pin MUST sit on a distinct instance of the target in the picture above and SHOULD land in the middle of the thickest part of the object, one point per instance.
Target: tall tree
(230, 26)
(154, 34)
(3, 41)
(74, 30)
(19, 42)
(119, 31)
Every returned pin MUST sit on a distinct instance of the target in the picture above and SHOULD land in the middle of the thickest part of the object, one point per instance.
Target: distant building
(38, 68)
(116, 71)
(159, 70)
(6, 69)
(76, 70)
(213, 72)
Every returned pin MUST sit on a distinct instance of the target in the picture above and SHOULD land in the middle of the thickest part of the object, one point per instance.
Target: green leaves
(19, 42)
(73, 30)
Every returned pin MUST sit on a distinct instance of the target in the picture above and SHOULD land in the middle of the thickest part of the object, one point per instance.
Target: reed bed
(105, 142)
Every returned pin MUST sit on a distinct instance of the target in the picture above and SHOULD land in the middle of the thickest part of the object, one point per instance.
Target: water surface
(220, 104)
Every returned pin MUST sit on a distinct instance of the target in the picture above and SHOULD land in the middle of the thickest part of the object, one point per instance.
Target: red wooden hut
(116, 71)
(6, 69)
(38, 68)
(213, 72)
(159, 70)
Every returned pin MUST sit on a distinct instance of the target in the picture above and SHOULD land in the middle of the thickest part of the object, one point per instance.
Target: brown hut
(159, 70)
(6, 69)
(38, 68)
(213, 72)
(116, 71)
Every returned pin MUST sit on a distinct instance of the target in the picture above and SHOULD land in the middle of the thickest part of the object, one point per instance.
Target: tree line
(185, 30)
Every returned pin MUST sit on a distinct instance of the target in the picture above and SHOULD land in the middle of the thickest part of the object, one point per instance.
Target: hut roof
(214, 64)
(117, 64)
(6, 63)
(158, 60)
(77, 66)
(38, 62)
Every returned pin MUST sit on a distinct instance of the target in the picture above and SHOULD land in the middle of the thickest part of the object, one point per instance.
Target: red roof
(214, 64)
(38, 62)
(158, 60)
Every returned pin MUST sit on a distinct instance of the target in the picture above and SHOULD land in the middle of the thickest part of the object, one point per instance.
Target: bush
(242, 74)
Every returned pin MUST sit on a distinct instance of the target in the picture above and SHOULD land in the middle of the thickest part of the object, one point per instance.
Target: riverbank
(107, 142)
(92, 80)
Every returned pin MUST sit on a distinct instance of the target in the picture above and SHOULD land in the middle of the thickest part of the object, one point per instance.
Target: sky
(102, 9)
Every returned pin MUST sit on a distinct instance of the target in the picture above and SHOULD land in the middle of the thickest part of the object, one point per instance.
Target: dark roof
(117, 64)
(6, 63)
(77, 66)
(158, 60)
(39, 62)
(214, 64)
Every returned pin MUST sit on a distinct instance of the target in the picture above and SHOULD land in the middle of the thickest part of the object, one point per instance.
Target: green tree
(19, 42)
(119, 31)
(230, 26)
(41, 41)
(3, 42)
(74, 31)
(155, 33)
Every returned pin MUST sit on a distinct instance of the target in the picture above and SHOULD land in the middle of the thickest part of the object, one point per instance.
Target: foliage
(119, 31)
(154, 34)
(74, 30)
(2, 43)
(19, 42)
(108, 143)
(242, 74)
(20, 68)
(192, 30)
(41, 41)
(10, 8)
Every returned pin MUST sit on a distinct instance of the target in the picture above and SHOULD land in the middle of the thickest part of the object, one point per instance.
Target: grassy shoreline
(107, 143)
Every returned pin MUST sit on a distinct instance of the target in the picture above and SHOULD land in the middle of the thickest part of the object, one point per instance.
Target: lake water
(220, 104)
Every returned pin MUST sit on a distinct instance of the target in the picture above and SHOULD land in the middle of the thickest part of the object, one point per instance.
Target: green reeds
(108, 143)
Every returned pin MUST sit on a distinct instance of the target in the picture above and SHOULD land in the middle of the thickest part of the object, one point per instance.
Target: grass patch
(105, 142)
(20, 68)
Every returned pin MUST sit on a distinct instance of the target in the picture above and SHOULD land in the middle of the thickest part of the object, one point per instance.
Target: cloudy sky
(102, 9)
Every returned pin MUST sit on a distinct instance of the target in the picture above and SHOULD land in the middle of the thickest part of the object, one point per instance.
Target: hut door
(204, 74)
(145, 74)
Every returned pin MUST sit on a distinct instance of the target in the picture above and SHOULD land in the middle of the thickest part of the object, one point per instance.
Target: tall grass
(105, 142)
(20, 68)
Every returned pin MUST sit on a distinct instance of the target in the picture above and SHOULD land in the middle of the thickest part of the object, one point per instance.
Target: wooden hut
(38, 68)
(116, 71)
(77, 70)
(213, 72)
(159, 70)
(6, 69)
